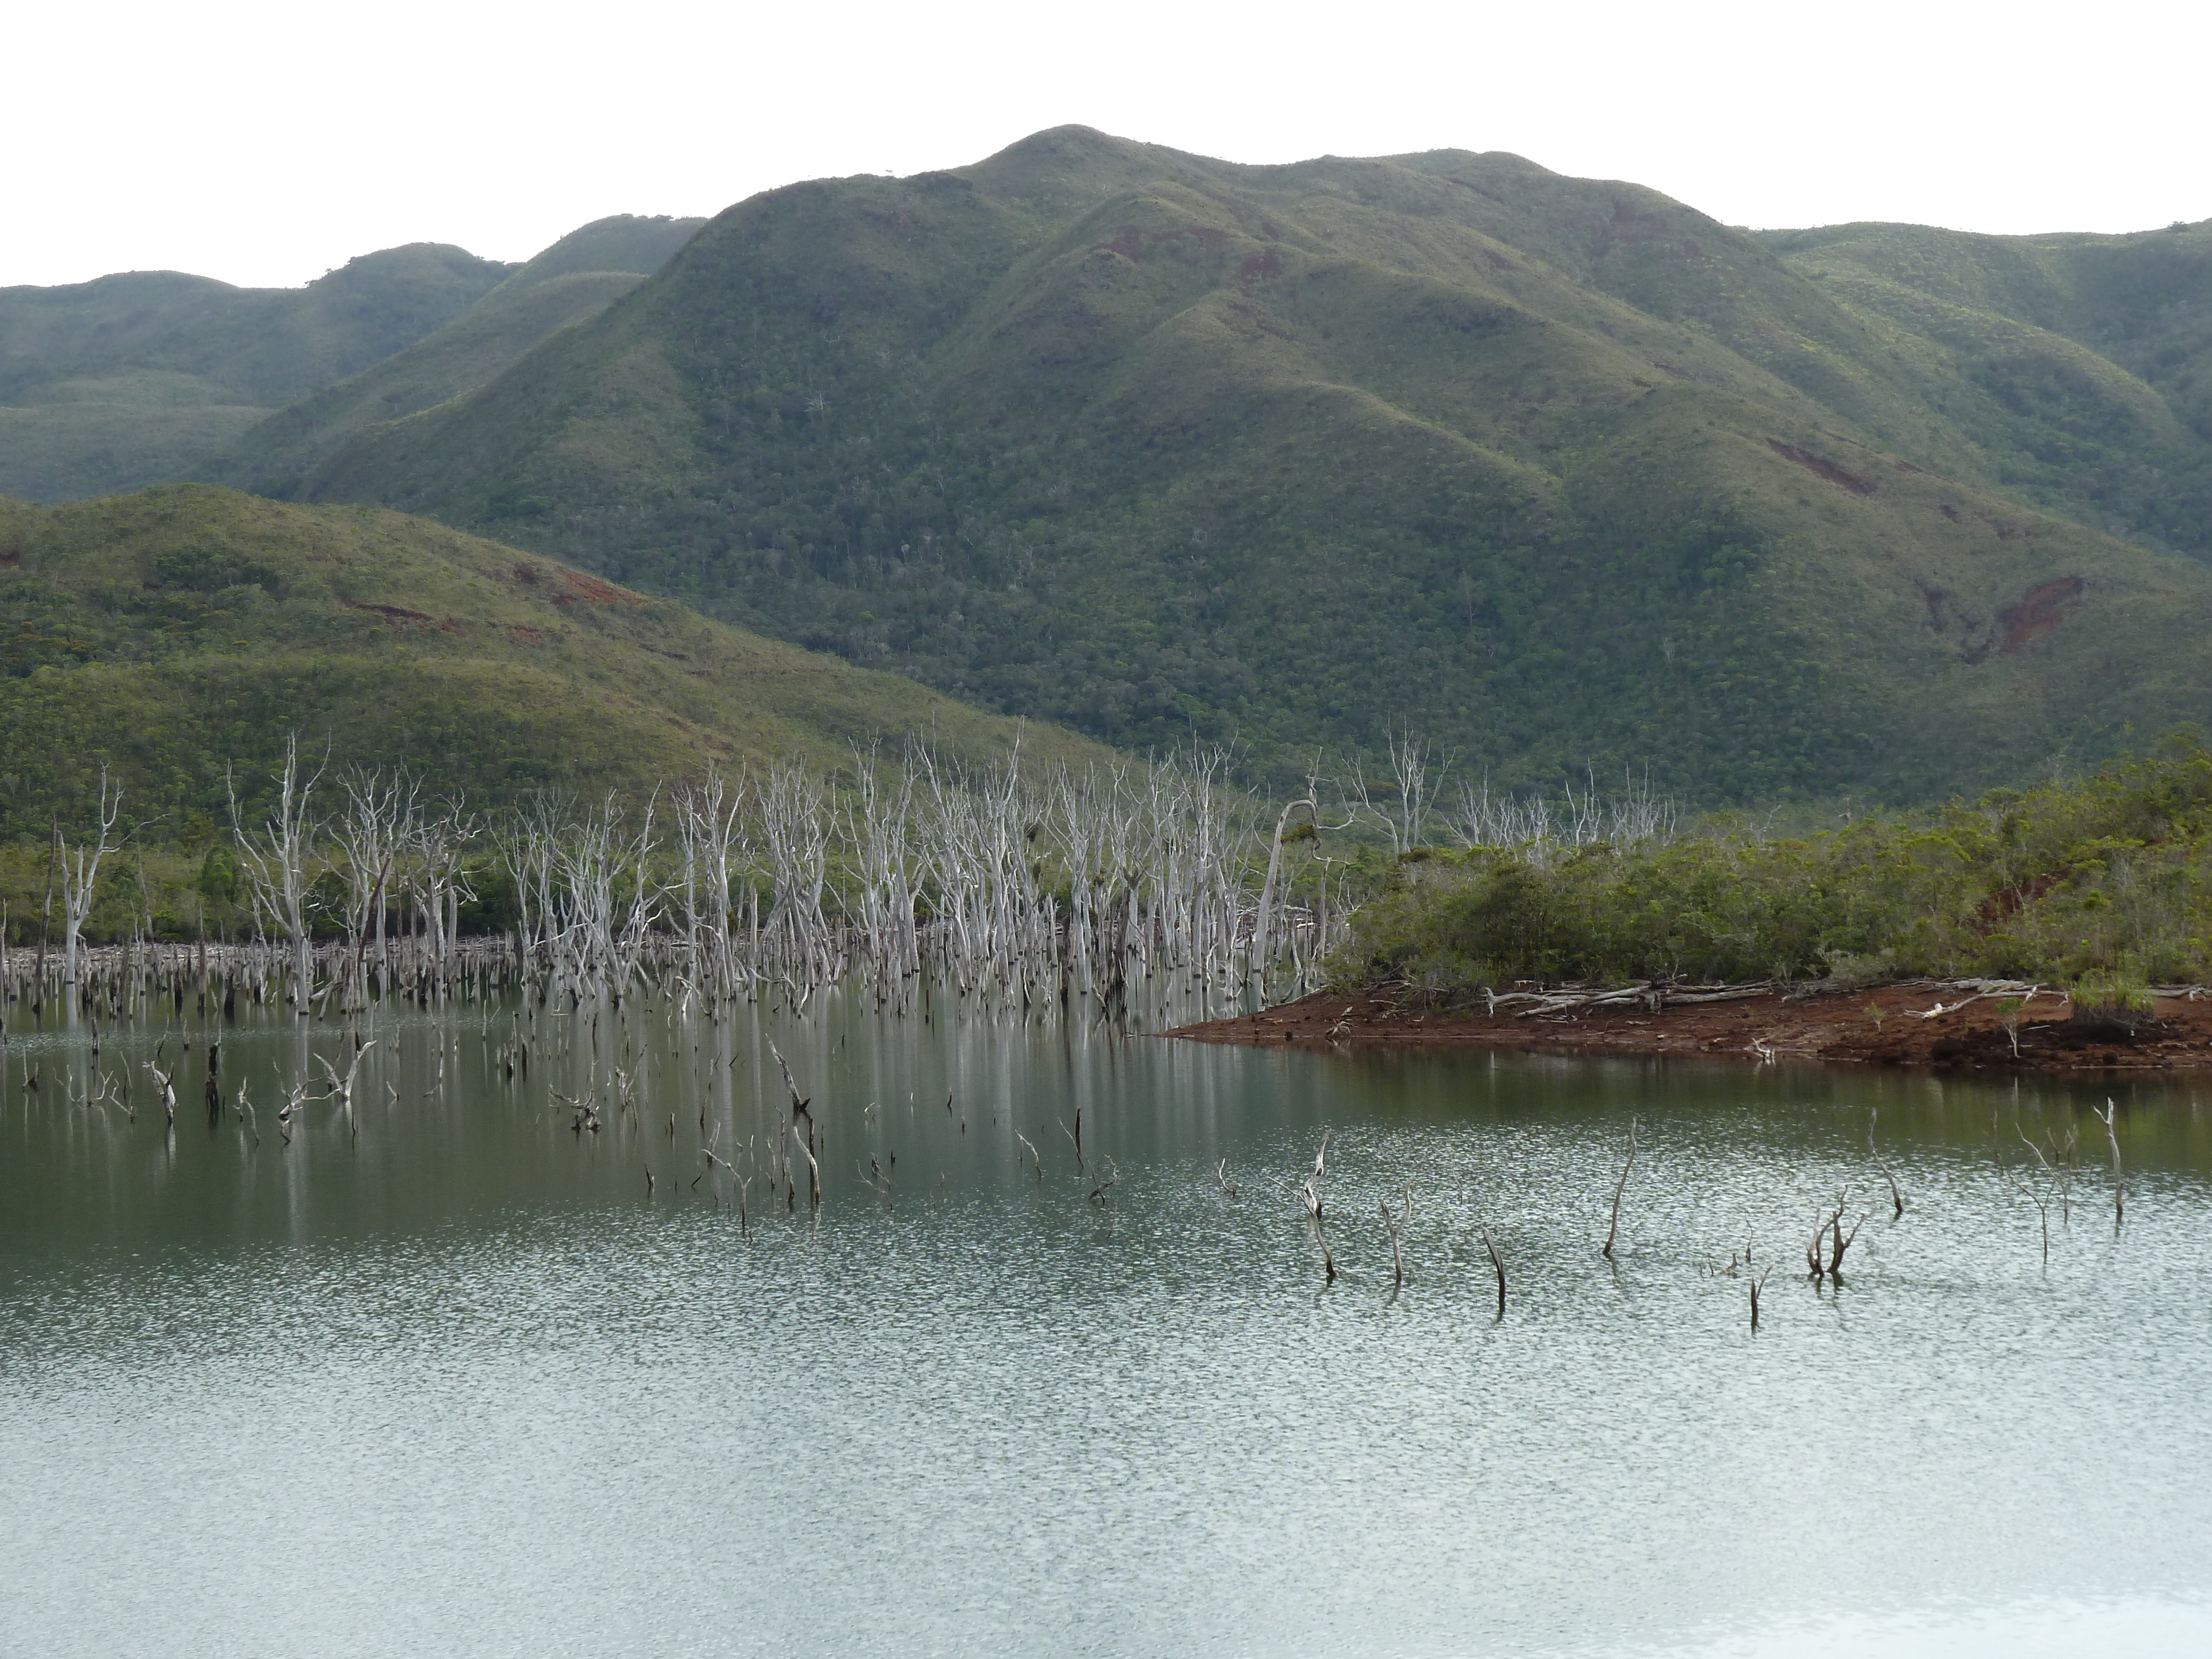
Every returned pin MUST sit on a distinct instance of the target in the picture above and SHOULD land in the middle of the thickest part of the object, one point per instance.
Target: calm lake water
(453, 1379)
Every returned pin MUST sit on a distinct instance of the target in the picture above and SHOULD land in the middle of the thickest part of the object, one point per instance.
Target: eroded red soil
(1895, 1025)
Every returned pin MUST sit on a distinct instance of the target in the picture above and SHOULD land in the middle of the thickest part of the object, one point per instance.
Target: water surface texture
(456, 1378)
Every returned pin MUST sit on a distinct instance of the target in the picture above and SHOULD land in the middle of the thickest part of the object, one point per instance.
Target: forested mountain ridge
(2080, 367)
(150, 376)
(166, 634)
(1557, 470)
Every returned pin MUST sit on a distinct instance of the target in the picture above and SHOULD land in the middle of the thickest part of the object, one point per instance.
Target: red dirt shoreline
(1833, 1026)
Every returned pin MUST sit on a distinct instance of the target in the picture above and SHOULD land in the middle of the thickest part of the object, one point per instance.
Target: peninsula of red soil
(1891, 1025)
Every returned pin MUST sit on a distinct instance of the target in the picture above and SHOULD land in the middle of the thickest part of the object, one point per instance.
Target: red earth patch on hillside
(2038, 612)
(392, 613)
(1258, 267)
(1818, 468)
(591, 590)
(1130, 242)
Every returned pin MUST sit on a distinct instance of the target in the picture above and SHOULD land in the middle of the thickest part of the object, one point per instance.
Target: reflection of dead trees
(1757, 1285)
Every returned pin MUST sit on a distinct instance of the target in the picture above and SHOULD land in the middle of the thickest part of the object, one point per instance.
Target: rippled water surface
(458, 1379)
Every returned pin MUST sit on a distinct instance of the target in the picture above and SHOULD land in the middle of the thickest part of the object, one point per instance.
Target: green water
(454, 1378)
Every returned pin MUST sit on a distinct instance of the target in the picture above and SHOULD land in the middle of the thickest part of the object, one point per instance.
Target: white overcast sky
(263, 143)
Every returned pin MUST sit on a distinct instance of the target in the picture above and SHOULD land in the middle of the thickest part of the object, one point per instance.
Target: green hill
(625, 241)
(151, 376)
(167, 633)
(271, 456)
(2076, 370)
(1557, 470)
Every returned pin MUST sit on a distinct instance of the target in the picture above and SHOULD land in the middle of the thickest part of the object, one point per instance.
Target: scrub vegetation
(2102, 883)
(177, 635)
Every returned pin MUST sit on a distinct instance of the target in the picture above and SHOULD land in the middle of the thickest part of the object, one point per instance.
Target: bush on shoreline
(2109, 877)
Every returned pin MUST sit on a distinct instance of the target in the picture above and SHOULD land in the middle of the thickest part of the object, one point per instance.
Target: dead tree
(1395, 1226)
(80, 872)
(166, 1086)
(2119, 1190)
(1838, 1240)
(2042, 1203)
(341, 1089)
(1896, 1194)
(1310, 1192)
(1498, 1264)
(275, 859)
(1613, 1231)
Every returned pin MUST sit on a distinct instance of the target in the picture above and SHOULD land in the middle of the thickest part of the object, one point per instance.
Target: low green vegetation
(2105, 882)
(171, 637)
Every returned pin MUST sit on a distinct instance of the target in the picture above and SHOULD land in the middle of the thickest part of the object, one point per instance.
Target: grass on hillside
(171, 634)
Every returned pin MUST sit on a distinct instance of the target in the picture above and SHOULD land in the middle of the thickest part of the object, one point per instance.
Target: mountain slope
(168, 633)
(270, 457)
(624, 241)
(152, 376)
(577, 277)
(114, 383)
(2080, 366)
(1557, 470)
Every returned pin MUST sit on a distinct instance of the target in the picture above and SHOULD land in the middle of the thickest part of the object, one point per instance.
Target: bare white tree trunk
(276, 859)
(81, 872)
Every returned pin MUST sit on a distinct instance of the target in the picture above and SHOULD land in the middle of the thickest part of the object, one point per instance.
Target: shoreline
(1936, 1024)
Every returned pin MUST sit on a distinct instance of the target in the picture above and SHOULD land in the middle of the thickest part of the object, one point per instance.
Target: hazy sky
(263, 143)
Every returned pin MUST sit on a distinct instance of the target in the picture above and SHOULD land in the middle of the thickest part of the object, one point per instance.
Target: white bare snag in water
(166, 1086)
(81, 872)
(275, 859)
(1613, 1231)
(1896, 1194)
(1310, 1192)
(1497, 1264)
(1394, 1226)
(2119, 1191)
(341, 1089)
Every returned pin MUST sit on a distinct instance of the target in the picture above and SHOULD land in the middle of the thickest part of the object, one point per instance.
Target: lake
(465, 1374)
